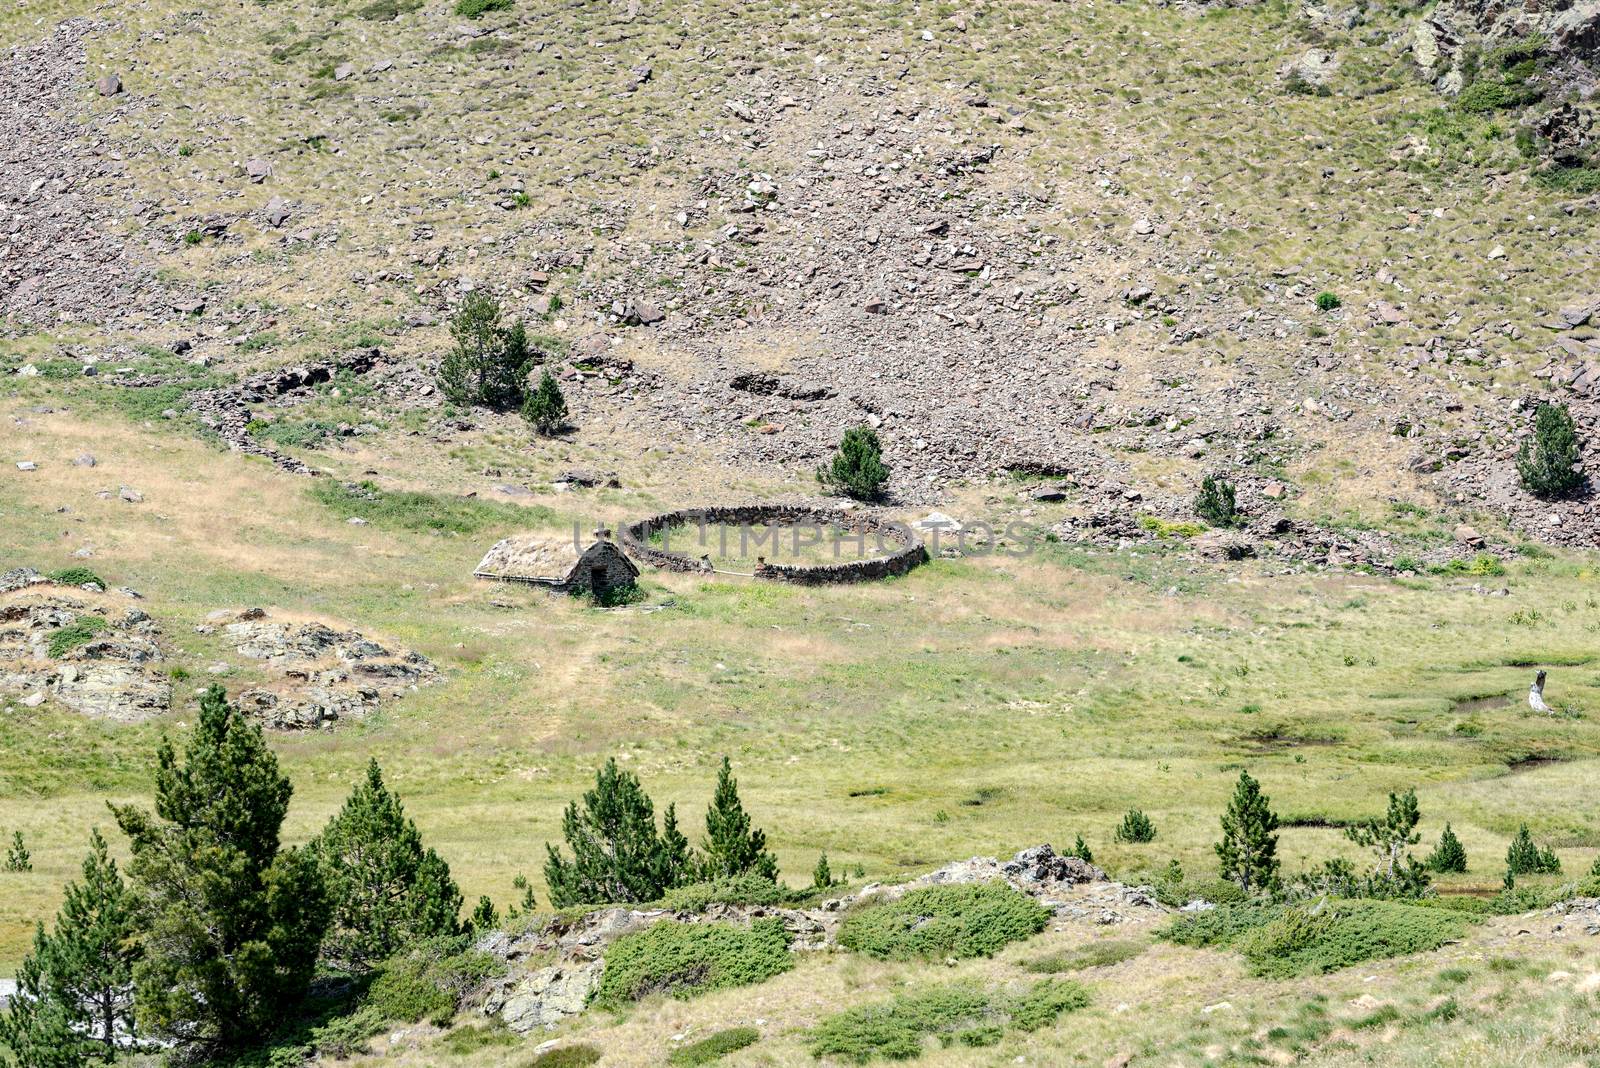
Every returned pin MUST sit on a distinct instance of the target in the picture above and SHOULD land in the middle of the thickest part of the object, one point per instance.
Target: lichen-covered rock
(546, 996)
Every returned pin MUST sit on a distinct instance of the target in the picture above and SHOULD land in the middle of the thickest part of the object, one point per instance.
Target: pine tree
(484, 916)
(1523, 857)
(857, 469)
(1081, 850)
(1449, 855)
(546, 409)
(1135, 827)
(731, 845)
(37, 1026)
(1248, 851)
(617, 855)
(230, 923)
(1390, 835)
(1546, 459)
(822, 875)
(527, 903)
(384, 888)
(18, 859)
(489, 363)
(1217, 502)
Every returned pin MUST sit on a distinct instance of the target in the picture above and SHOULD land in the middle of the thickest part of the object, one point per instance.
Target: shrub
(715, 1047)
(958, 1013)
(857, 469)
(1282, 941)
(821, 875)
(973, 920)
(1328, 301)
(77, 576)
(470, 1039)
(546, 408)
(428, 981)
(1546, 460)
(746, 889)
(80, 631)
(1449, 855)
(473, 8)
(1135, 827)
(684, 959)
(1081, 850)
(1216, 504)
(18, 858)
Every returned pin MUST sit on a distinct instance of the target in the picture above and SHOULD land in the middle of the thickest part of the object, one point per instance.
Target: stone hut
(558, 564)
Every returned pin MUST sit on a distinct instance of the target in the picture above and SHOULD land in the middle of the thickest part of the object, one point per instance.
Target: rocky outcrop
(325, 674)
(112, 671)
(555, 968)
(1568, 29)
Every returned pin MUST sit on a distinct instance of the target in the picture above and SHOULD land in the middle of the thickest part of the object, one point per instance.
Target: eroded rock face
(1570, 28)
(546, 996)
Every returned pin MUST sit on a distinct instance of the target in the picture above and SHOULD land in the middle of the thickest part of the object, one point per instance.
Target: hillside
(1065, 259)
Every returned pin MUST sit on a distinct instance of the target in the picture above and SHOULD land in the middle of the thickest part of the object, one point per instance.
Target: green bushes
(490, 361)
(1328, 301)
(1523, 857)
(80, 631)
(944, 921)
(428, 981)
(719, 1045)
(546, 408)
(746, 889)
(1449, 855)
(958, 1014)
(473, 8)
(77, 576)
(1546, 460)
(684, 959)
(577, 1056)
(1281, 941)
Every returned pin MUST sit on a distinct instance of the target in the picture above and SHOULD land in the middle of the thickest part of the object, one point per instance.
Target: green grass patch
(473, 8)
(80, 631)
(737, 890)
(77, 576)
(975, 920)
(422, 512)
(958, 1014)
(1093, 955)
(576, 1056)
(294, 435)
(714, 1048)
(684, 959)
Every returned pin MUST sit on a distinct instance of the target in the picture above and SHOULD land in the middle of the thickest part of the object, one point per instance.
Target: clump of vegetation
(623, 593)
(546, 408)
(1502, 78)
(80, 631)
(822, 874)
(1100, 954)
(1547, 460)
(1280, 941)
(1327, 301)
(18, 858)
(958, 1014)
(617, 853)
(1081, 850)
(294, 435)
(973, 920)
(428, 980)
(1216, 502)
(684, 959)
(1449, 855)
(77, 576)
(714, 1048)
(1524, 857)
(1170, 528)
(408, 510)
(474, 8)
(385, 890)
(1135, 827)
(578, 1055)
(857, 469)
(749, 888)
(1397, 873)
(1248, 851)
(489, 363)
(732, 847)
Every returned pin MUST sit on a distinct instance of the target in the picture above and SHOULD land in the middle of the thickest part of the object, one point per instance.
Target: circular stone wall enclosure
(907, 554)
